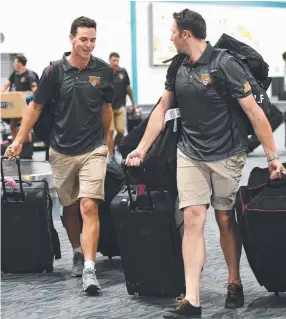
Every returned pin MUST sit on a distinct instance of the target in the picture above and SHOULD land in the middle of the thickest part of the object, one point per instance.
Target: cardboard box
(13, 104)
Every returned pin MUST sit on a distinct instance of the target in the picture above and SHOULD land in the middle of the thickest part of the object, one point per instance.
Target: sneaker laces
(181, 302)
(89, 272)
(232, 288)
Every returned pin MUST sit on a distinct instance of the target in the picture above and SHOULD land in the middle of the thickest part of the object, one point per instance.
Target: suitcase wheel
(49, 267)
(276, 294)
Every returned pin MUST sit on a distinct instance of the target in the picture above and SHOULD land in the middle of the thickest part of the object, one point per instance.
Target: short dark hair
(191, 21)
(22, 59)
(82, 22)
(114, 54)
(284, 56)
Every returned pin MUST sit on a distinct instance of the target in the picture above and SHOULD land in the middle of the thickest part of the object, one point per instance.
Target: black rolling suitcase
(261, 215)
(29, 240)
(149, 242)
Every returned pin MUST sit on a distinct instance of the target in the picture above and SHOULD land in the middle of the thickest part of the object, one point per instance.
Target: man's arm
(260, 124)
(6, 86)
(106, 119)
(30, 117)
(130, 94)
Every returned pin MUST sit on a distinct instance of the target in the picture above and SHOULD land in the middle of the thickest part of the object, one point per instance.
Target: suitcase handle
(127, 179)
(17, 160)
(277, 182)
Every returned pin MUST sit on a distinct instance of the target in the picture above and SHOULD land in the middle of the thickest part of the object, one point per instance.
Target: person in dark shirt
(21, 80)
(78, 153)
(122, 88)
(211, 153)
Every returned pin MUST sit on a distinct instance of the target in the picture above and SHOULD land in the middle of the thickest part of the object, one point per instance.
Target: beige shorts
(204, 183)
(79, 176)
(118, 119)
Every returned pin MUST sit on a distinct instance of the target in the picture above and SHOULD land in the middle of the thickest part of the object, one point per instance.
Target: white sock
(77, 250)
(89, 264)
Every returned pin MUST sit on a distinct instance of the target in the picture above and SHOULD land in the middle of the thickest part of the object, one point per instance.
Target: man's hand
(135, 158)
(275, 169)
(14, 149)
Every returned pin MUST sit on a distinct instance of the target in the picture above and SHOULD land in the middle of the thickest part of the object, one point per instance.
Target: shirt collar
(205, 57)
(67, 66)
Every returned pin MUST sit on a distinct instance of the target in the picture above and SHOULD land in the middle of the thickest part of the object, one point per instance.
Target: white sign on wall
(263, 28)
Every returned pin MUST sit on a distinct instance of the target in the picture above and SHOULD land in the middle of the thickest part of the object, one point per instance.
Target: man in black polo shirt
(21, 80)
(122, 87)
(211, 153)
(78, 153)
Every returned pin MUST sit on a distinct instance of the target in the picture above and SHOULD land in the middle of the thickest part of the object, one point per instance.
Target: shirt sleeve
(12, 77)
(43, 93)
(108, 89)
(234, 78)
(170, 78)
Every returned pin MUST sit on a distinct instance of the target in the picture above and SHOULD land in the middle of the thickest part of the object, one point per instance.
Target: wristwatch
(273, 157)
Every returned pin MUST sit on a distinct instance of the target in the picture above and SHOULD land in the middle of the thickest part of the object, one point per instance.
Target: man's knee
(194, 218)
(225, 220)
(111, 132)
(120, 133)
(88, 208)
(71, 209)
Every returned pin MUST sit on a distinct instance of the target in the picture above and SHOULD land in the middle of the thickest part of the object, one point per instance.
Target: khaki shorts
(204, 183)
(79, 176)
(118, 119)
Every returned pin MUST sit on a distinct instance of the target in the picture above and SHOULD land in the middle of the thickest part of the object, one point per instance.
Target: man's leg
(72, 224)
(91, 179)
(65, 181)
(90, 230)
(194, 251)
(110, 141)
(120, 125)
(226, 175)
(230, 243)
(73, 229)
(193, 180)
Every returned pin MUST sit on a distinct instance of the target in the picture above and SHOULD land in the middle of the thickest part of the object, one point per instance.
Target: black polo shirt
(210, 129)
(77, 127)
(23, 82)
(121, 82)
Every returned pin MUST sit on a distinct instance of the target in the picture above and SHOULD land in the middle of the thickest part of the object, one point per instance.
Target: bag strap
(214, 67)
(58, 76)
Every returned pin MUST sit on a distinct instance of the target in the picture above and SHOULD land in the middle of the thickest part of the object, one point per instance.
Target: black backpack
(256, 70)
(43, 127)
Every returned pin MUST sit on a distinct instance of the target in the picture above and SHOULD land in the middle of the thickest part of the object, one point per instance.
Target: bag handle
(17, 160)
(127, 179)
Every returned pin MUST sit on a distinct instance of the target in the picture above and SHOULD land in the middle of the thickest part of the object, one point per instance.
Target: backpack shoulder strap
(58, 77)
(214, 67)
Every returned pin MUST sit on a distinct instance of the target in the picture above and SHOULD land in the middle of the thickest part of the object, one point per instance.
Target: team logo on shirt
(247, 87)
(94, 80)
(121, 76)
(23, 79)
(205, 79)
